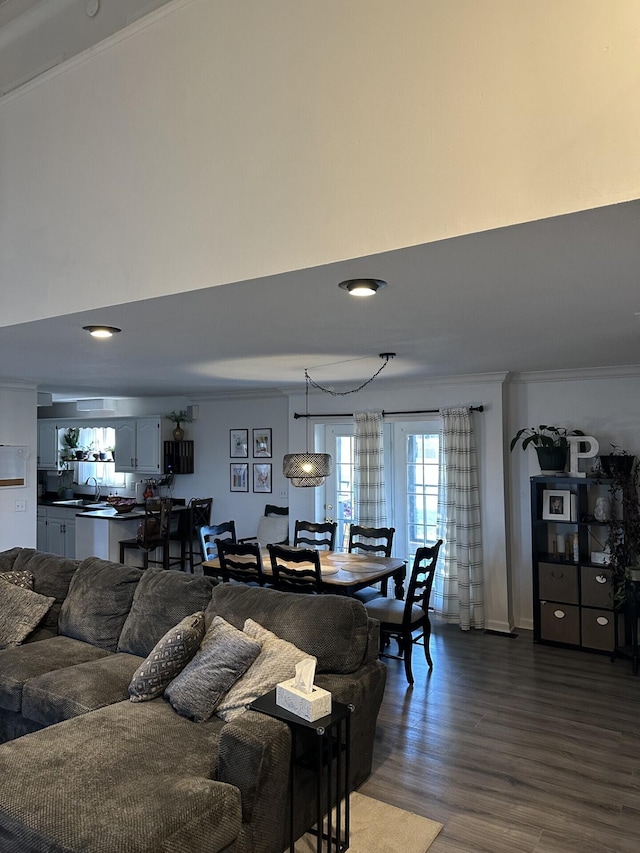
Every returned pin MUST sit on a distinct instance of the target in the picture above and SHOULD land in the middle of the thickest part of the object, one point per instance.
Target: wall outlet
(21, 506)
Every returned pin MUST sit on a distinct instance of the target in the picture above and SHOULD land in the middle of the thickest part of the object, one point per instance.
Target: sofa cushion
(22, 579)
(128, 778)
(167, 658)
(7, 559)
(98, 602)
(331, 628)
(160, 601)
(21, 610)
(52, 576)
(275, 663)
(19, 664)
(225, 655)
(272, 529)
(75, 690)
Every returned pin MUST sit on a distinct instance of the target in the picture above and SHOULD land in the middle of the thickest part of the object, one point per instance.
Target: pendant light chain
(385, 355)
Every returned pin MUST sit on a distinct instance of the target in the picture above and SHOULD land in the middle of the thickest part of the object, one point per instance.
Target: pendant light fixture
(311, 469)
(306, 470)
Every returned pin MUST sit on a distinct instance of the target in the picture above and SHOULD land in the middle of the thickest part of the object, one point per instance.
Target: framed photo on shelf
(262, 444)
(239, 477)
(556, 505)
(238, 443)
(262, 477)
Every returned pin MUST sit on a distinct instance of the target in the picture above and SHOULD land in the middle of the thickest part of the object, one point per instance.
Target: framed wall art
(262, 443)
(262, 477)
(239, 477)
(238, 443)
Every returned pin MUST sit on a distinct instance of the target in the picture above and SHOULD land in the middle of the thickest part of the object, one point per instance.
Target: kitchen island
(98, 532)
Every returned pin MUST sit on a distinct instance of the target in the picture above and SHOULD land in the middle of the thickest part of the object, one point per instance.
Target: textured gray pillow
(21, 579)
(168, 657)
(160, 601)
(225, 655)
(21, 610)
(276, 662)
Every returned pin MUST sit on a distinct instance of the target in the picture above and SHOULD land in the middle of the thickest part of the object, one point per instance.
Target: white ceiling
(560, 293)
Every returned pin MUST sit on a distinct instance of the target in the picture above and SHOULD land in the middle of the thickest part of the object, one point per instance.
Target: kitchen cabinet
(48, 445)
(138, 446)
(56, 531)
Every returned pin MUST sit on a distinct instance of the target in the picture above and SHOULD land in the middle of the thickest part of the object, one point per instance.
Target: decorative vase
(552, 460)
(178, 434)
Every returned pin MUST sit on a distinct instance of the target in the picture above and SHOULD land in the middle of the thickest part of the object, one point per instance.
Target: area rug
(379, 828)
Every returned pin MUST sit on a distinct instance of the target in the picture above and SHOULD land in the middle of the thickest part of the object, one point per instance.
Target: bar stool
(154, 532)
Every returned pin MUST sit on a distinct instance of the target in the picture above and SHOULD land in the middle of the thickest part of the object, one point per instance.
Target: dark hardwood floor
(514, 747)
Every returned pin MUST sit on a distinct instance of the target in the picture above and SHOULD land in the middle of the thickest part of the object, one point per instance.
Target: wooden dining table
(344, 574)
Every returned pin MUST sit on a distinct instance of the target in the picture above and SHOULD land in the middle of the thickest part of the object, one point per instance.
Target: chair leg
(425, 638)
(407, 642)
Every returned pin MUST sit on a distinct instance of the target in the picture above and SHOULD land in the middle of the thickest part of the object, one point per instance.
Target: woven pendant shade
(306, 469)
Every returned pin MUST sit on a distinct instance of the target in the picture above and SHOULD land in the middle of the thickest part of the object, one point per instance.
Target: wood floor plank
(514, 747)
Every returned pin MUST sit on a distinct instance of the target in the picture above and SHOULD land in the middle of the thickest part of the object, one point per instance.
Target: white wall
(18, 408)
(217, 141)
(604, 404)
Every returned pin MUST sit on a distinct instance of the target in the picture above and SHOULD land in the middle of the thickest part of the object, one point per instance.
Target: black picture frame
(239, 477)
(238, 443)
(262, 443)
(262, 477)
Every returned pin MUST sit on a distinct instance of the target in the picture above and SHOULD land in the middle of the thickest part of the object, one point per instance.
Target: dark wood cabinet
(573, 593)
(178, 457)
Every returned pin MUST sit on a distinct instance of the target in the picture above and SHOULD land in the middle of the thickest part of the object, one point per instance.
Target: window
(97, 440)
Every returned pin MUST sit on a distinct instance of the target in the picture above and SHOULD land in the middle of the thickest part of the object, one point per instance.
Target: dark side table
(332, 747)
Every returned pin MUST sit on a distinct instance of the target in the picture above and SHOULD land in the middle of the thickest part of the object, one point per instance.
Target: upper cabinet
(47, 445)
(138, 446)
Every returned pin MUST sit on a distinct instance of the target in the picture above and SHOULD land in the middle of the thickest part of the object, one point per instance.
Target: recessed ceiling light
(101, 331)
(363, 286)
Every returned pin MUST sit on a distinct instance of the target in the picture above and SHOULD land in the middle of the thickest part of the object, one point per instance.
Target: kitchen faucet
(96, 494)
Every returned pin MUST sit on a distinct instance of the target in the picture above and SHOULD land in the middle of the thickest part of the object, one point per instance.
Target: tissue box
(309, 706)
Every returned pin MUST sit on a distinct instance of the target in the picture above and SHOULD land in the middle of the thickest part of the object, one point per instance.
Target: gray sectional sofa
(84, 768)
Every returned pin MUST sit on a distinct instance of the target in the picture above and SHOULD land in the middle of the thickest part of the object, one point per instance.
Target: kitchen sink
(83, 503)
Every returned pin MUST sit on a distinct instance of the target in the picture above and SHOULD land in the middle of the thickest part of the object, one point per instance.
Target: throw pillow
(21, 579)
(272, 530)
(167, 658)
(275, 663)
(225, 655)
(21, 610)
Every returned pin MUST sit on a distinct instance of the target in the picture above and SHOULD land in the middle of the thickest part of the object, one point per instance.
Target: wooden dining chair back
(401, 619)
(240, 562)
(320, 535)
(197, 515)
(295, 569)
(376, 541)
(208, 534)
(153, 532)
(272, 509)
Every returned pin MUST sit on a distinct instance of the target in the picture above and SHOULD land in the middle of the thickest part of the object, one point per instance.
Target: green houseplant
(623, 524)
(179, 418)
(550, 443)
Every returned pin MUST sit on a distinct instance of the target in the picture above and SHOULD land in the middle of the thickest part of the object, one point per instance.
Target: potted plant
(623, 524)
(618, 461)
(179, 418)
(550, 443)
(70, 441)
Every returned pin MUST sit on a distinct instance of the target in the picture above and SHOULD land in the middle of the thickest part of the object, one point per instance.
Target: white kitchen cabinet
(138, 446)
(58, 533)
(47, 445)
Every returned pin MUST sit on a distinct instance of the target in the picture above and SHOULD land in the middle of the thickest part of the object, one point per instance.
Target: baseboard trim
(508, 634)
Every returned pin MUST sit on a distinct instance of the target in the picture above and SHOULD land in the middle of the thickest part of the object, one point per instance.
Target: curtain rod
(297, 415)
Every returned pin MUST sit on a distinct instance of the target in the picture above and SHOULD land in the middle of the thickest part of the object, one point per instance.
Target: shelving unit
(573, 596)
(178, 457)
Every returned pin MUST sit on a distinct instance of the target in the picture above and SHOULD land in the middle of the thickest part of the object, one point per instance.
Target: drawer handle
(557, 574)
(601, 579)
(559, 614)
(602, 620)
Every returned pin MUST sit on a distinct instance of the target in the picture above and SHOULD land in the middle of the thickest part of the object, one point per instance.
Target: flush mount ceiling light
(101, 331)
(363, 286)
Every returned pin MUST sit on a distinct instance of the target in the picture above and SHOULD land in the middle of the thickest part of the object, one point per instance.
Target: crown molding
(628, 371)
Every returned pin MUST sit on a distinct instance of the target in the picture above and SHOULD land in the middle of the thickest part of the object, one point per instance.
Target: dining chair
(286, 576)
(320, 535)
(400, 619)
(153, 532)
(208, 533)
(240, 562)
(376, 541)
(197, 515)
